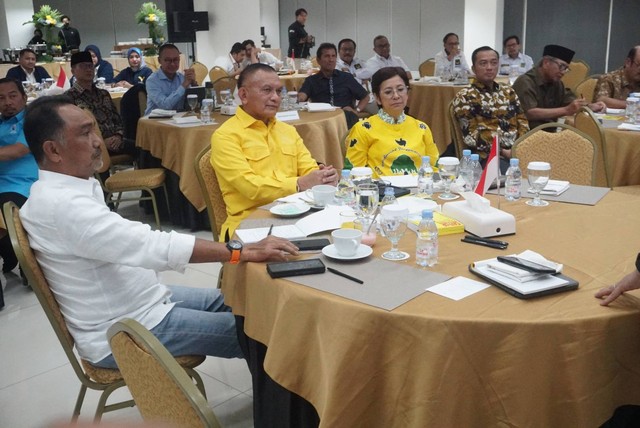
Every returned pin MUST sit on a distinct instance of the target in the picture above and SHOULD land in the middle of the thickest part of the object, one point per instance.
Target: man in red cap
(542, 93)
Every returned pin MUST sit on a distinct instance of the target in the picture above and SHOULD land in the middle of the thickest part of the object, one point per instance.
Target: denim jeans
(199, 324)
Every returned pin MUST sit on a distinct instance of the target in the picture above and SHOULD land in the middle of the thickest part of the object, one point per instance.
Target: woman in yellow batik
(390, 142)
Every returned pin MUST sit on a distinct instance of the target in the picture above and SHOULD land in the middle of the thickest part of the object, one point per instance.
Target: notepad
(327, 219)
(554, 188)
(318, 107)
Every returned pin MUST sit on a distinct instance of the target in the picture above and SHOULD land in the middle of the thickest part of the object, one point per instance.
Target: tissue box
(493, 222)
(228, 110)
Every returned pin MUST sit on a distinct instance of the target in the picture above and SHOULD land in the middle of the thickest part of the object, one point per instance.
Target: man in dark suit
(27, 70)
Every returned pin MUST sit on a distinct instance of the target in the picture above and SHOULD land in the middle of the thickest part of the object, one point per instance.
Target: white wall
(270, 20)
(12, 14)
(230, 21)
(482, 25)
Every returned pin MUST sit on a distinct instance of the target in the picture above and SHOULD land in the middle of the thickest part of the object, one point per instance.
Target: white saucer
(293, 209)
(362, 252)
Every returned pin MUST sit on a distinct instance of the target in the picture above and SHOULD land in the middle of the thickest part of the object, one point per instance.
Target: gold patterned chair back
(578, 71)
(586, 122)
(216, 208)
(201, 71)
(216, 73)
(222, 84)
(571, 153)
(160, 387)
(456, 132)
(427, 68)
(587, 88)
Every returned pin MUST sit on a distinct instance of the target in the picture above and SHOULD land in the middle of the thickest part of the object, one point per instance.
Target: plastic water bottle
(389, 197)
(345, 194)
(476, 169)
(284, 104)
(464, 170)
(632, 108)
(425, 178)
(427, 241)
(514, 181)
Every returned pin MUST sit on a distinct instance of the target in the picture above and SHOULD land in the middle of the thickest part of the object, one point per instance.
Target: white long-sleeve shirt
(100, 266)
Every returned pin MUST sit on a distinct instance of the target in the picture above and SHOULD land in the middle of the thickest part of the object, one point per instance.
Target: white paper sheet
(458, 288)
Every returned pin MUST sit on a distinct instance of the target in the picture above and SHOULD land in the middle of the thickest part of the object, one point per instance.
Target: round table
(488, 360)
(177, 147)
(293, 82)
(623, 153)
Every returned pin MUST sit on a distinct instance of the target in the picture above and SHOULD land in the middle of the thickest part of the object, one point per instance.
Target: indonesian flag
(63, 82)
(490, 173)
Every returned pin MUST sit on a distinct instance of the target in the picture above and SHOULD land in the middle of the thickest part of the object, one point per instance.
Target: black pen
(494, 241)
(470, 240)
(344, 275)
(270, 230)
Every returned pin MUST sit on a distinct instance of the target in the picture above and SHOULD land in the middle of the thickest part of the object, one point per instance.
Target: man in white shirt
(383, 57)
(451, 60)
(102, 267)
(348, 62)
(232, 63)
(254, 55)
(512, 57)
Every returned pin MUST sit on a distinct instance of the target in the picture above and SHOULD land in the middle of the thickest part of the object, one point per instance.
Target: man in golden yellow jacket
(257, 158)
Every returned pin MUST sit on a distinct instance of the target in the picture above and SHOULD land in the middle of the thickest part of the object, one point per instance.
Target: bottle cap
(426, 159)
(475, 157)
(346, 173)
(514, 162)
(389, 191)
(466, 152)
(427, 214)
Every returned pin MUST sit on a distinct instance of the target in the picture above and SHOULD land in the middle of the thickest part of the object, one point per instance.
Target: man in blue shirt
(335, 87)
(166, 87)
(18, 168)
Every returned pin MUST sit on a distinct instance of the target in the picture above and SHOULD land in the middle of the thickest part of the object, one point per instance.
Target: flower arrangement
(150, 15)
(47, 20)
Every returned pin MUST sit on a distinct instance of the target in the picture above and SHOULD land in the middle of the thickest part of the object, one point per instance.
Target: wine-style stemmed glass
(192, 102)
(448, 168)
(538, 176)
(393, 220)
(367, 197)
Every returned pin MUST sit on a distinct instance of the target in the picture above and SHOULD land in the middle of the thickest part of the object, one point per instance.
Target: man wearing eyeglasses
(542, 93)
(614, 88)
(257, 158)
(383, 57)
(450, 60)
(166, 87)
(487, 107)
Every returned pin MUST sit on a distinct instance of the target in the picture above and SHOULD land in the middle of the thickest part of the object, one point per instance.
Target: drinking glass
(393, 220)
(368, 197)
(293, 100)
(538, 176)
(192, 101)
(448, 167)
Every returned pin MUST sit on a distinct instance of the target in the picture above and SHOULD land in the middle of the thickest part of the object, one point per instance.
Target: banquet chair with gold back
(427, 68)
(216, 208)
(587, 88)
(132, 180)
(152, 62)
(201, 71)
(586, 122)
(571, 153)
(578, 71)
(161, 389)
(223, 83)
(456, 132)
(92, 377)
(216, 73)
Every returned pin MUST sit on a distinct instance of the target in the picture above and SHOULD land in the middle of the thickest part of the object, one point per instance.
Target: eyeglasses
(400, 90)
(563, 67)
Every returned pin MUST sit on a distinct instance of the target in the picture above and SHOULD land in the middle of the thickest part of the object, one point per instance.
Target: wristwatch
(638, 262)
(235, 247)
(358, 109)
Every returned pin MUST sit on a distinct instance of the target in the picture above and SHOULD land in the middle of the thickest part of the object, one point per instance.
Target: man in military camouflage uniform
(487, 107)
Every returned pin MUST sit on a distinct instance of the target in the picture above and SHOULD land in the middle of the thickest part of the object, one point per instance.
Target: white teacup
(346, 241)
(322, 194)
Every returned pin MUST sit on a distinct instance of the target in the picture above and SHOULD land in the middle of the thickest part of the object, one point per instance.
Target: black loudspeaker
(190, 21)
(173, 36)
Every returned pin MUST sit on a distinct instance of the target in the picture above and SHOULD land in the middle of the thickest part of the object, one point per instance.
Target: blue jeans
(199, 324)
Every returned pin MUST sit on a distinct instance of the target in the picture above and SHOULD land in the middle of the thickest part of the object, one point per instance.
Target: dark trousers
(9, 259)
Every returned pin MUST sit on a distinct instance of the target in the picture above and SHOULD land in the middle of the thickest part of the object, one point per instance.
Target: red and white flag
(491, 168)
(63, 82)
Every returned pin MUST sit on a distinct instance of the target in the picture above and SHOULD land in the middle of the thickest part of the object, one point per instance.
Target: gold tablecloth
(322, 133)
(490, 360)
(430, 103)
(293, 82)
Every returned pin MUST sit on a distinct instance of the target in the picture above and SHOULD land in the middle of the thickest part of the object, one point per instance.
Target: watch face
(234, 244)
